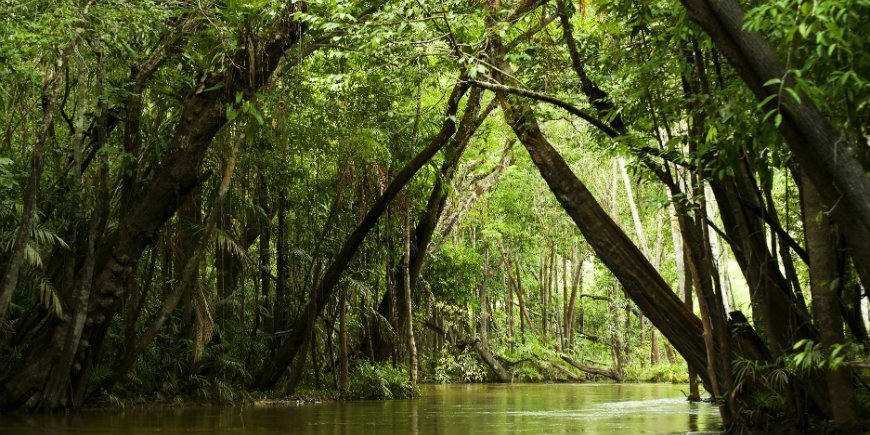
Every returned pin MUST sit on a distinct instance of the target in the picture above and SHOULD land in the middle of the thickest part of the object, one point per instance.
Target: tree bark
(592, 370)
(824, 280)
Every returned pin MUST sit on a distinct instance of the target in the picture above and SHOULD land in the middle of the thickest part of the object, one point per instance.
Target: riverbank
(379, 382)
(314, 396)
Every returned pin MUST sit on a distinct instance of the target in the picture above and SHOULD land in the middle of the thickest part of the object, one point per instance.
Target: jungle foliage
(226, 200)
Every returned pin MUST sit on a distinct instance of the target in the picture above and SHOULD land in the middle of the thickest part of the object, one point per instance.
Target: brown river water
(441, 409)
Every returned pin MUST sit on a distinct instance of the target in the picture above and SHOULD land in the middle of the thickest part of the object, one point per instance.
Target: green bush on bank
(662, 372)
(379, 382)
(458, 369)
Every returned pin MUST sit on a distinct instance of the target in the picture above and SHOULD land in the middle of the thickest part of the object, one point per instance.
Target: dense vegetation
(221, 200)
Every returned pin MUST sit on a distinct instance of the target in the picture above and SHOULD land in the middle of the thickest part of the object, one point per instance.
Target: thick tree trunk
(495, 367)
(186, 281)
(694, 392)
(824, 280)
(592, 370)
(827, 156)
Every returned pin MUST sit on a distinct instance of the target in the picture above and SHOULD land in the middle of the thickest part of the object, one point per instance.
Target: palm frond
(42, 289)
(226, 243)
(31, 256)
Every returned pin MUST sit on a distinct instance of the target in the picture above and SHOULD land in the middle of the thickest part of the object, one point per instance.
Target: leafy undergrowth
(379, 382)
(462, 368)
(663, 372)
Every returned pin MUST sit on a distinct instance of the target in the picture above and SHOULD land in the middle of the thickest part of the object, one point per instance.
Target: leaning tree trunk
(471, 120)
(275, 367)
(827, 156)
(639, 279)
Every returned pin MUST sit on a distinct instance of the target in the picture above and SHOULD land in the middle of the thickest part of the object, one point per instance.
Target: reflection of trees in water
(415, 429)
(693, 417)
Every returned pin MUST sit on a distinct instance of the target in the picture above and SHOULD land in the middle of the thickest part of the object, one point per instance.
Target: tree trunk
(483, 299)
(273, 368)
(524, 315)
(266, 260)
(592, 370)
(471, 120)
(694, 392)
(508, 300)
(50, 87)
(576, 285)
(282, 267)
(344, 366)
(824, 280)
(495, 367)
(408, 306)
(826, 155)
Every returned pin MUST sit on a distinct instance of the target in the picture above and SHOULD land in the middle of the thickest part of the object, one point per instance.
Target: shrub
(379, 382)
(464, 368)
(672, 373)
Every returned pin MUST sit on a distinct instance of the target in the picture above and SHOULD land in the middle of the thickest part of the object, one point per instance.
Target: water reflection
(447, 409)
(693, 417)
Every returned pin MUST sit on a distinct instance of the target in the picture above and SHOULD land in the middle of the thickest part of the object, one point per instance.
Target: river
(441, 409)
